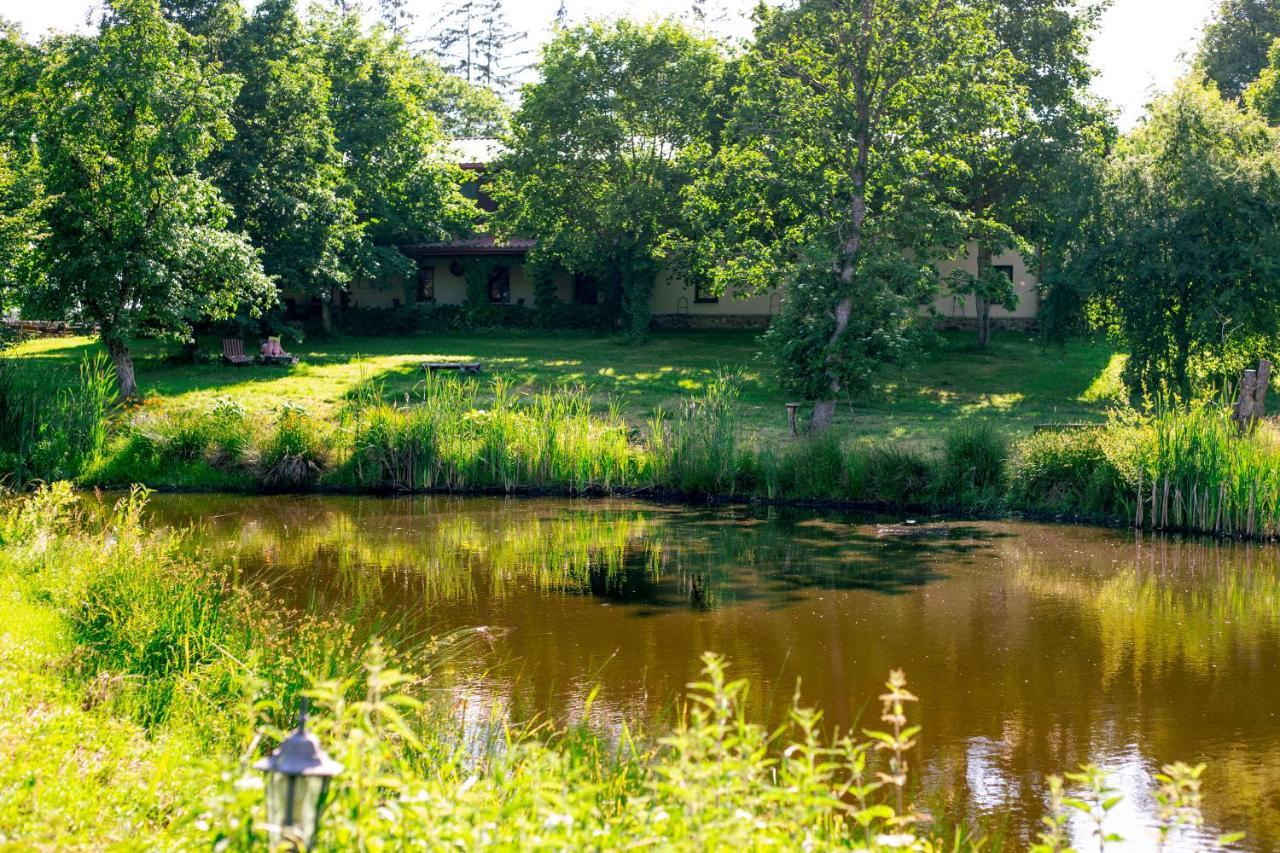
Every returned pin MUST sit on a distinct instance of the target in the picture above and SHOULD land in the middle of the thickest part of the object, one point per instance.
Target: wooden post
(1251, 404)
(792, 408)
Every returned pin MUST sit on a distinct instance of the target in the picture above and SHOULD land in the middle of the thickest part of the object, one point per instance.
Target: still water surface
(1034, 648)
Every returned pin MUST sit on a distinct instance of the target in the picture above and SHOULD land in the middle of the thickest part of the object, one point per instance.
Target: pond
(1034, 648)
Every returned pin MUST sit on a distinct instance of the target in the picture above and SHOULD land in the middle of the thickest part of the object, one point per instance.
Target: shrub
(296, 452)
(1067, 471)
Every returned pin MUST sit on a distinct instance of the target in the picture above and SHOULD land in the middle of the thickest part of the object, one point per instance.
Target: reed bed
(1197, 472)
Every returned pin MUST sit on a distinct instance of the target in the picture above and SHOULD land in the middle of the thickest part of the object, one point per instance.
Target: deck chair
(233, 352)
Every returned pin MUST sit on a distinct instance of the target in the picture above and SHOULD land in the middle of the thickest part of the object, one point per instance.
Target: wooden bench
(460, 366)
(233, 352)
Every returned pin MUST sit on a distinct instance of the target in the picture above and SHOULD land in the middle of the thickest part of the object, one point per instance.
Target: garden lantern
(298, 776)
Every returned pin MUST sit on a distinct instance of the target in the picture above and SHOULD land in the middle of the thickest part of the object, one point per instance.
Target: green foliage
(1068, 472)
(137, 239)
(449, 440)
(1234, 47)
(385, 100)
(54, 426)
(893, 475)
(1185, 243)
(296, 452)
(594, 170)
(972, 472)
(812, 351)
(282, 171)
(1263, 95)
(701, 442)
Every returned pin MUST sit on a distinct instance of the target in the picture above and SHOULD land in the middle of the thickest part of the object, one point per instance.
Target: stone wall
(689, 322)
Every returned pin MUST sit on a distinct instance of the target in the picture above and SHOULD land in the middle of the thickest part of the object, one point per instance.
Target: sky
(1139, 51)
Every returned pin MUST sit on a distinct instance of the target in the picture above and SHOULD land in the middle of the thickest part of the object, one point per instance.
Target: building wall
(675, 298)
(1025, 284)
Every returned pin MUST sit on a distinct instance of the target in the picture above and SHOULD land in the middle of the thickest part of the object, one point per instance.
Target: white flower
(553, 820)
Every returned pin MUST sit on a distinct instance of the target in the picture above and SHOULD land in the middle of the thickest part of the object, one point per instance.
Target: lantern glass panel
(294, 805)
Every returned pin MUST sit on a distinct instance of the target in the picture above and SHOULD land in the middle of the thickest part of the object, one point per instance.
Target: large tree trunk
(984, 303)
(123, 359)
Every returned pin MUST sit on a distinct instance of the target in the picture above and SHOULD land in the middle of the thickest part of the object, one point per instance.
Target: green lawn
(1016, 383)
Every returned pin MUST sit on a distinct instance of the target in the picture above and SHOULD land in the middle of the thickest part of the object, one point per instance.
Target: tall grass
(451, 437)
(53, 426)
(1197, 472)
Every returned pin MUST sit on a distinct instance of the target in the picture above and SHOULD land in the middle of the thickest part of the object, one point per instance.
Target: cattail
(1164, 507)
(1155, 516)
(1137, 519)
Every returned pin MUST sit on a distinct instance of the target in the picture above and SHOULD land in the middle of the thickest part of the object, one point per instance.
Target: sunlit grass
(1017, 382)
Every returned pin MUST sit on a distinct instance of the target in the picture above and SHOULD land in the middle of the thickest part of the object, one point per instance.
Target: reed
(1197, 472)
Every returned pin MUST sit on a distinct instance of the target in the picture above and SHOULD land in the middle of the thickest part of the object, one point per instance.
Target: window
(586, 290)
(426, 284)
(700, 294)
(500, 285)
(1007, 270)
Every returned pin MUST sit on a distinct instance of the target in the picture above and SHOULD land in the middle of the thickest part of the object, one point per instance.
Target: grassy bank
(1172, 468)
(1016, 383)
(155, 676)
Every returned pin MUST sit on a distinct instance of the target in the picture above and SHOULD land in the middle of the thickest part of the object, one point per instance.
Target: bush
(296, 452)
(1068, 471)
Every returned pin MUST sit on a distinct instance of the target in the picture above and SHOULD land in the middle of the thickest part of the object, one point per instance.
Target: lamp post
(298, 776)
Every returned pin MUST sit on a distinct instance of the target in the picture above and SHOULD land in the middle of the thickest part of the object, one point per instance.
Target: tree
(398, 171)
(22, 197)
(1263, 95)
(499, 55)
(396, 15)
(1014, 195)
(1235, 44)
(137, 240)
(282, 172)
(475, 40)
(1185, 242)
(838, 178)
(594, 168)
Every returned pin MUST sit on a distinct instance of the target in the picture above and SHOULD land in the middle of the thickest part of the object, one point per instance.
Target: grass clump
(295, 452)
(972, 468)
(1065, 472)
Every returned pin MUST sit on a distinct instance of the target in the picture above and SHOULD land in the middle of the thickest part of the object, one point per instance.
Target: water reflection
(1035, 648)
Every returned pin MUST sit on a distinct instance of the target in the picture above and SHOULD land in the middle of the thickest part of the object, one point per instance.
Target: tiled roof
(482, 245)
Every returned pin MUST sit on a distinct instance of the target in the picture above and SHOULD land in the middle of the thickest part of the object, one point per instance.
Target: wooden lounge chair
(272, 354)
(460, 366)
(233, 352)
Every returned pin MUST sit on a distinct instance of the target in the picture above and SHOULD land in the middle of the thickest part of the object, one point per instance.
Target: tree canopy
(839, 173)
(282, 172)
(1236, 42)
(595, 166)
(1185, 241)
(137, 238)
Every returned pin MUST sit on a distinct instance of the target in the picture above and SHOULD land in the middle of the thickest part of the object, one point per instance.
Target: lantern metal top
(300, 754)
